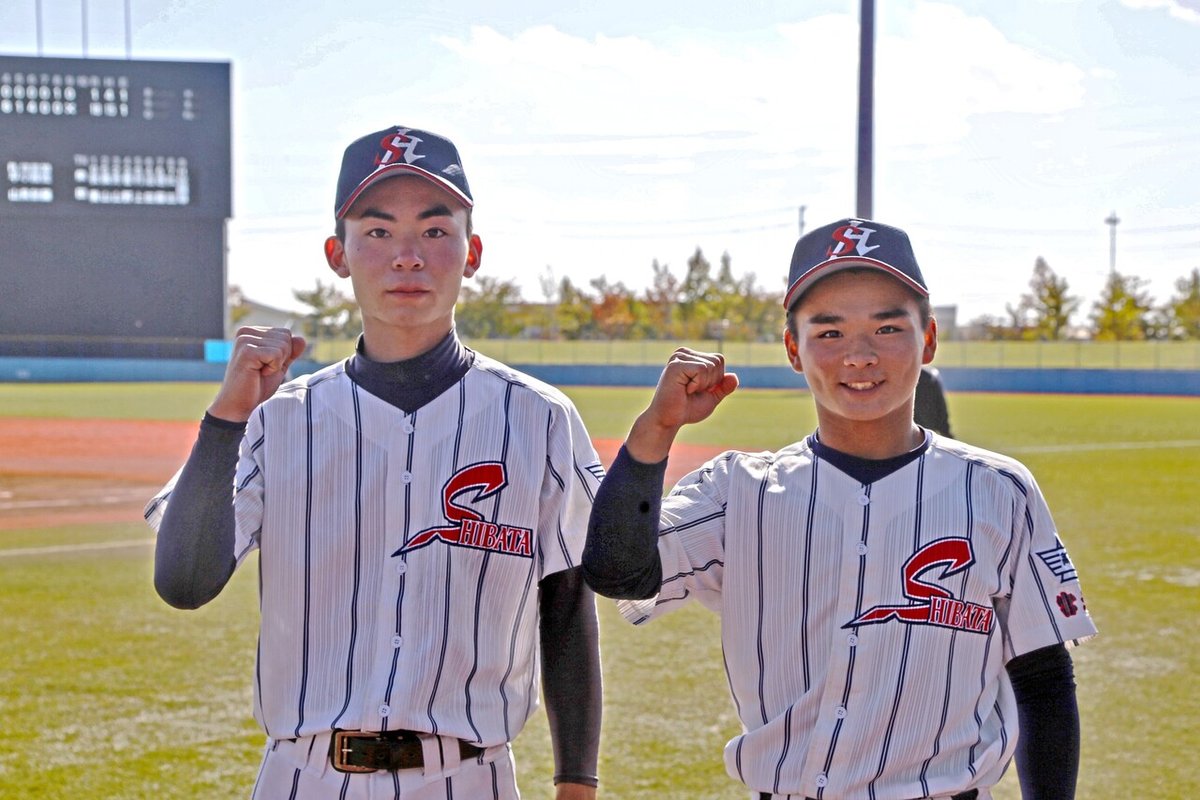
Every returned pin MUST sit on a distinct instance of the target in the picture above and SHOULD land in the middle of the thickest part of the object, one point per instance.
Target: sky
(599, 137)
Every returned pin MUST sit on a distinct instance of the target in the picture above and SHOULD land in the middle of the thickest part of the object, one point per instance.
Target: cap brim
(391, 171)
(834, 265)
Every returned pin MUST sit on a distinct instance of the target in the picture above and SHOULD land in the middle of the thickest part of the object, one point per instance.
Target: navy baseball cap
(399, 151)
(852, 243)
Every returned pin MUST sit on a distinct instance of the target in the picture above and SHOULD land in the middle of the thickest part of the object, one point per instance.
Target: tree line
(1124, 311)
(715, 303)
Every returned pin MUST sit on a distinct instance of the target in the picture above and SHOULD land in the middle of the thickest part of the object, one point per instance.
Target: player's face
(860, 343)
(406, 251)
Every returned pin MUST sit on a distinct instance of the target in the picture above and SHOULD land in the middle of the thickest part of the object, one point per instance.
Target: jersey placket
(837, 691)
(390, 652)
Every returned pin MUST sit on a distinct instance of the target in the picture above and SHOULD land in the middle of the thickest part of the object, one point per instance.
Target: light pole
(866, 101)
(1111, 222)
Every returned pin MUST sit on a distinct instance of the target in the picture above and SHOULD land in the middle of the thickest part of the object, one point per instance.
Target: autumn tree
(334, 315)
(614, 311)
(761, 310)
(550, 294)
(695, 297)
(662, 299)
(573, 314)
(483, 309)
(1044, 313)
(1183, 310)
(1122, 312)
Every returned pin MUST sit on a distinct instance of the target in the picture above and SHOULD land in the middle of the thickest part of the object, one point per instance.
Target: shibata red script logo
(932, 604)
(467, 526)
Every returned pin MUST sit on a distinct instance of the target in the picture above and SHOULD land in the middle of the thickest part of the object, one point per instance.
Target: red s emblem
(934, 605)
(468, 527)
(398, 146)
(850, 239)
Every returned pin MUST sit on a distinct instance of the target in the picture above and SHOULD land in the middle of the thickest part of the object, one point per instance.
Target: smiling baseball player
(894, 604)
(419, 511)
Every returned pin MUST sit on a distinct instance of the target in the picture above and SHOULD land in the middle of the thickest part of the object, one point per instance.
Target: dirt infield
(70, 471)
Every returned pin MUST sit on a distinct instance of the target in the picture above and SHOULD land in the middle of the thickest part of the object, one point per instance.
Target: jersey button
(407, 427)
(397, 640)
(864, 500)
(841, 712)
(406, 477)
(822, 781)
(384, 710)
(852, 640)
(401, 568)
(861, 549)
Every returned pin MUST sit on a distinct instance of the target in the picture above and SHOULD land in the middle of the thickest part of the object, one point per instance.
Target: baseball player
(895, 605)
(929, 404)
(419, 511)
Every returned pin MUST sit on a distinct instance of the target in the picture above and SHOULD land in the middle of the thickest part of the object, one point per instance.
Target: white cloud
(950, 68)
(1185, 10)
(793, 91)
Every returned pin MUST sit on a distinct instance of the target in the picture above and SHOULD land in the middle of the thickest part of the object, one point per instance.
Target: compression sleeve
(193, 556)
(570, 639)
(1048, 719)
(620, 558)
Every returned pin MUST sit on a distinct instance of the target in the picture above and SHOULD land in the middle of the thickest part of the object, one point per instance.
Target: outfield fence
(1155, 355)
(1152, 355)
(1148, 368)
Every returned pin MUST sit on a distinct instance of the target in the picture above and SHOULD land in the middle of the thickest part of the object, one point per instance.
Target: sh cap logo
(398, 146)
(851, 240)
(467, 526)
(932, 604)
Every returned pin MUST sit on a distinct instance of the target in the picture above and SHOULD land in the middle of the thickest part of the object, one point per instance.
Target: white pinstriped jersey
(865, 628)
(401, 552)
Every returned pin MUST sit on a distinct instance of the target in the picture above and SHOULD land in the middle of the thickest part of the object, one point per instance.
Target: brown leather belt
(364, 751)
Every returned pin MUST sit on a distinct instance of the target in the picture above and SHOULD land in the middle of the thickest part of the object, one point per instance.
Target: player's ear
(335, 256)
(930, 341)
(474, 255)
(793, 352)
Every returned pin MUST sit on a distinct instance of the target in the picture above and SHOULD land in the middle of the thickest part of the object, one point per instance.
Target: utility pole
(866, 101)
(1111, 222)
(802, 219)
(38, 13)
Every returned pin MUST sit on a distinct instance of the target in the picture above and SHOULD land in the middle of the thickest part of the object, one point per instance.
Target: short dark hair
(339, 227)
(924, 307)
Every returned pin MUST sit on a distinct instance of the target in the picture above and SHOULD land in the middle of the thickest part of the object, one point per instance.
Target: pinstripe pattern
(332, 484)
(865, 628)
(308, 523)
(353, 609)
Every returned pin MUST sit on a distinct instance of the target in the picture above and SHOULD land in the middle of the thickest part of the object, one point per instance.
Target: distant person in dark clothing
(929, 409)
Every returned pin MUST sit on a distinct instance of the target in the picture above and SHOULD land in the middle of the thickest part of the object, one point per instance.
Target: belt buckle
(338, 750)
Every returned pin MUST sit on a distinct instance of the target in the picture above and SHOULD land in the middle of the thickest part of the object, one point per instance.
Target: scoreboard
(114, 192)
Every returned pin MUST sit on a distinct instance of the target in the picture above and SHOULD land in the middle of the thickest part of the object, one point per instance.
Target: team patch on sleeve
(1058, 562)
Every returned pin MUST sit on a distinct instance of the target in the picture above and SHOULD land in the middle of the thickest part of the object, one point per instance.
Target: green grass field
(105, 692)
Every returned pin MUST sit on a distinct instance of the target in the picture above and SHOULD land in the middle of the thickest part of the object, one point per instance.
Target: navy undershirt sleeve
(1048, 719)
(571, 678)
(193, 555)
(621, 557)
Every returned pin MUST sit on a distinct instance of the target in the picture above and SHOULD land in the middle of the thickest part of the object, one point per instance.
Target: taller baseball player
(895, 605)
(419, 511)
